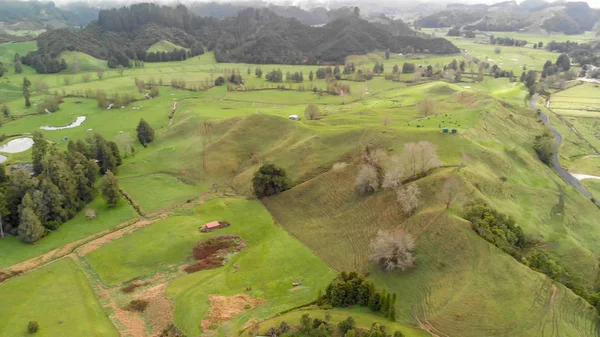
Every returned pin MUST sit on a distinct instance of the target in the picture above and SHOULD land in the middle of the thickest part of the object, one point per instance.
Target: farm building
(211, 226)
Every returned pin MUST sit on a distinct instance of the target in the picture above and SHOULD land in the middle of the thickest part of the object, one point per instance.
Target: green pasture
(59, 298)
(156, 191)
(75, 229)
(271, 263)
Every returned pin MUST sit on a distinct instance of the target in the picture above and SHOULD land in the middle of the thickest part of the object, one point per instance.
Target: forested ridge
(253, 36)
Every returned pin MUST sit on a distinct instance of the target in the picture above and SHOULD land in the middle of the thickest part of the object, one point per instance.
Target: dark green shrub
(33, 327)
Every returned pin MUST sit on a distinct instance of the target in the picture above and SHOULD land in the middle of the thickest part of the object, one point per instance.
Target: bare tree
(312, 112)
(428, 157)
(426, 106)
(394, 174)
(419, 158)
(100, 73)
(86, 77)
(367, 180)
(393, 250)
(120, 69)
(451, 191)
(67, 80)
(408, 198)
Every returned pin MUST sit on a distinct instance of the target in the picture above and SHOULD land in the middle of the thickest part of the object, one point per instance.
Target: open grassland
(461, 286)
(270, 264)
(363, 318)
(75, 229)
(59, 298)
(163, 46)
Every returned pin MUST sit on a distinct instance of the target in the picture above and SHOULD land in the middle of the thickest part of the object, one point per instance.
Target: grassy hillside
(163, 45)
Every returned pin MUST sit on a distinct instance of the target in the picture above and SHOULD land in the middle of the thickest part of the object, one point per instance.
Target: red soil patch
(211, 253)
(224, 308)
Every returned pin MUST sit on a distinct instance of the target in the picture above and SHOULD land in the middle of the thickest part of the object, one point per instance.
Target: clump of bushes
(349, 289)
(33, 327)
(496, 228)
(545, 147)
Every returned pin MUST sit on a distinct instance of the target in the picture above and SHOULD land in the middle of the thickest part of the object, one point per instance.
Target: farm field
(59, 298)
(209, 142)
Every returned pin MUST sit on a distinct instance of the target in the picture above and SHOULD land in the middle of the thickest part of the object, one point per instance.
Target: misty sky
(302, 3)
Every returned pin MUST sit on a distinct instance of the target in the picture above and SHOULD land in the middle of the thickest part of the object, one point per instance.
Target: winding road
(566, 176)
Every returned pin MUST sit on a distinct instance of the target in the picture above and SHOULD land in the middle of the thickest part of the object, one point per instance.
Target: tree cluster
(44, 64)
(316, 327)
(507, 41)
(32, 206)
(349, 289)
(104, 152)
(496, 228)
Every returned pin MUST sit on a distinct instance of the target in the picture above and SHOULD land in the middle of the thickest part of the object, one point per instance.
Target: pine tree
(18, 67)
(110, 189)
(145, 132)
(38, 151)
(384, 302)
(30, 227)
(107, 159)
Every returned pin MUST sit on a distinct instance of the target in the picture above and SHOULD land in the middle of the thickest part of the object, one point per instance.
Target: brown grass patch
(211, 253)
(224, 308)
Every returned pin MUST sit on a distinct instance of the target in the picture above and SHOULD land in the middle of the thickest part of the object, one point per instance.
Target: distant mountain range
(252, 36)
(35, 15)
(536, 16)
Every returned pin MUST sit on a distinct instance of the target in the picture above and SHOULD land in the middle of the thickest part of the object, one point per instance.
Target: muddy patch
(224, 308)
(212, 253)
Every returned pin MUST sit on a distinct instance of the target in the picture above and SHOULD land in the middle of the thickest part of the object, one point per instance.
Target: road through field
(566, 176)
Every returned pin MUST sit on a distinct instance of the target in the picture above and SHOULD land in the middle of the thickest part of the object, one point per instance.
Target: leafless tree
(67, 80)
(419, 158)
(100, 73)
(426, 106)
(312, 112)
(451, 191)
(86, 77)
(367, 180)
(428, 157)
(394, 174)
(393, 250)
(408, 198)
(120, 69)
